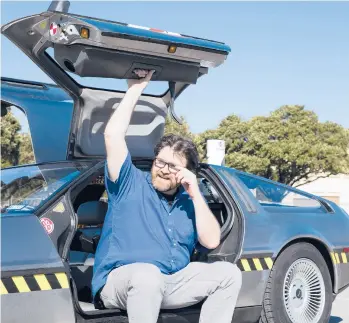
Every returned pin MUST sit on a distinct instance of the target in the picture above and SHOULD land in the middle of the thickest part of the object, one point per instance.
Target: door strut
(172, 86)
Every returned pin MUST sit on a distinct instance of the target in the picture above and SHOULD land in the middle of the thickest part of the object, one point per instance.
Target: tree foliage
(290, 145)
(16, 148)
(10, 140)
(26, 153)
(173, 127)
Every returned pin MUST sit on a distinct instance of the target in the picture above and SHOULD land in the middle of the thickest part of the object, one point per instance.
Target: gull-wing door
(66, 45)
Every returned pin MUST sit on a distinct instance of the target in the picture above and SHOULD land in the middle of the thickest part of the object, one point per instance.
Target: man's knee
(147, 277)
(228, 272)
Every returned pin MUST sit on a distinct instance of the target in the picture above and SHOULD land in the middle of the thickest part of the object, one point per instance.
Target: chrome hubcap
(304, 292)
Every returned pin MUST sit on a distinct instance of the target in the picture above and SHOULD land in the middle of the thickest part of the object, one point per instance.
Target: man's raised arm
(117, 125)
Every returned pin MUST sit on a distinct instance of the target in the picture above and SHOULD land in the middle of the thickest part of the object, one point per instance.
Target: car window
(16, 142)
(270, 194)
(24, 189)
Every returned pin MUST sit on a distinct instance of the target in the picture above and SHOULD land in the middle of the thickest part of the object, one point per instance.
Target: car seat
(90, 219)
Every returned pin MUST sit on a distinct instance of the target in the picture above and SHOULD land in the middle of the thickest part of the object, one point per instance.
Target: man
(151, 228)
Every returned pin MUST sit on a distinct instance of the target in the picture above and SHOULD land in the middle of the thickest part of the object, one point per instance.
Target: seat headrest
(92, 213)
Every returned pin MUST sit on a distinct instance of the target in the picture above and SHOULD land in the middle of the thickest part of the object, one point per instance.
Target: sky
(282, 53)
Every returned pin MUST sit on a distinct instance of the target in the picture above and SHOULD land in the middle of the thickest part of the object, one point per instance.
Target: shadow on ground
(335, 319)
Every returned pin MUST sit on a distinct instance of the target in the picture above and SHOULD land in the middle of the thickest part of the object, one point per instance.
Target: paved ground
(340, 308)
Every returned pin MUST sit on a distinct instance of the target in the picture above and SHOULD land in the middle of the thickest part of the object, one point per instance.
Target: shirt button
(169, 213)
(172, 261)
(169, 230)
(175, 244)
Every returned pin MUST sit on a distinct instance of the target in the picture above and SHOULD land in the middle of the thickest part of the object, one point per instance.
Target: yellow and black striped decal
(340, 257)
(32, 283)
(255, 263)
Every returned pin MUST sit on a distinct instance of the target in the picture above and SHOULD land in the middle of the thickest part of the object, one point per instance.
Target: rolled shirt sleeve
(126, 182)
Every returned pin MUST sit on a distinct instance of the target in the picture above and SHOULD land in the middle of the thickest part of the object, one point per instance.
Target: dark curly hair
(182, 146)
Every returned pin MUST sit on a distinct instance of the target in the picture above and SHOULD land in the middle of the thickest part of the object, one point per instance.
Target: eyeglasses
(171, 167)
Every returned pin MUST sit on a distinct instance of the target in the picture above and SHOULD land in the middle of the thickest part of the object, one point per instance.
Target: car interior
(90, 202)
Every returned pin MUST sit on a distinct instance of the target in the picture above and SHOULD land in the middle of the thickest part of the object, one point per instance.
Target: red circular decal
(53, 29)
(47, 224)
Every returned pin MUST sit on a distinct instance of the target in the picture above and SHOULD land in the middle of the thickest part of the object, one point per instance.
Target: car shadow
(335, 319)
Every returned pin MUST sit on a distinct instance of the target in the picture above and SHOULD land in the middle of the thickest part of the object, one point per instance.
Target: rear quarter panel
(34, 282)
(269, 229)
(273, 230)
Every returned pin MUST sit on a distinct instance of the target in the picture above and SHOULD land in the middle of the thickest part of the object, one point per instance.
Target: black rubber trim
(251, 263)
(15, 82)
(239, 265)
(9, 285)
(52, 279)
(28, 82)
(32, 283)
(342, 289)
(27, 272)
(257, 255)
(264, 263)
(162, 42)
(247, 314)
(340, 249)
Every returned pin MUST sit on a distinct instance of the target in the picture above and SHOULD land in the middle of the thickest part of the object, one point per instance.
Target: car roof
(25, 89)
(49, 131)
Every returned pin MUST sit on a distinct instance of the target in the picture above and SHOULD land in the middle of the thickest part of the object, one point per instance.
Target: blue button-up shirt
(140, 226)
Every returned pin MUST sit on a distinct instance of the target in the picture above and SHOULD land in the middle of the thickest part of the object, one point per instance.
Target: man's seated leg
(219, 282)
(137, 288)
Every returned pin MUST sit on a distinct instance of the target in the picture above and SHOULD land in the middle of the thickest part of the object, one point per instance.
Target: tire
(277, 307)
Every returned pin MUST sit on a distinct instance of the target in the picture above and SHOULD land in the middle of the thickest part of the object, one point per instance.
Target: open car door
(90, 47)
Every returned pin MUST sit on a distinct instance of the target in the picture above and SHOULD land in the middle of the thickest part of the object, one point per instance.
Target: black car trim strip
(28, 272)
(33, 283)
(52, 279)
(258, 263)
(340, 257)
(9, 285)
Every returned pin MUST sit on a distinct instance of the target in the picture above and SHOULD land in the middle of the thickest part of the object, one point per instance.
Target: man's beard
(164, 183)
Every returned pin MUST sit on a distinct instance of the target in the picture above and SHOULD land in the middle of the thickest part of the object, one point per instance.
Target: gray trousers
(142, 290)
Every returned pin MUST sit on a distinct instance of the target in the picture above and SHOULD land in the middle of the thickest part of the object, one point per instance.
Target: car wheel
(299, 288)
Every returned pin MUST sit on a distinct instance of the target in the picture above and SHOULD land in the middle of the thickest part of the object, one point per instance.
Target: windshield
(24, 189)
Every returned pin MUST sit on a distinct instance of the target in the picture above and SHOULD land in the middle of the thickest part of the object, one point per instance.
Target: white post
(215, 152)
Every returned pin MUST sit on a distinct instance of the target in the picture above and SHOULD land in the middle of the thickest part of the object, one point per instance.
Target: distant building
(334, 188)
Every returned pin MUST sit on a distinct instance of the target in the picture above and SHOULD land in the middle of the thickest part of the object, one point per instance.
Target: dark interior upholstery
(89, 214)
(92, 213)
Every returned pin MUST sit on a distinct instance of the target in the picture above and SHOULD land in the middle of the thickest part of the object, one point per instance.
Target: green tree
(10, 140)
(26, 153)
(173, 127)
(289, 146)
